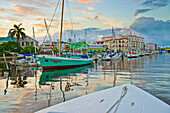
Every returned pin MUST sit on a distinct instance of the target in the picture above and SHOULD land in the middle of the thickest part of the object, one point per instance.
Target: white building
(28, 41)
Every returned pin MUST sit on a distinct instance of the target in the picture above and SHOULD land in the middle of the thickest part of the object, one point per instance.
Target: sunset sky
(147, 18)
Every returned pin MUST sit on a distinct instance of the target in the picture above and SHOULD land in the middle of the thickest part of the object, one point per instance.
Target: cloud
(27, 10)
(155, 3)
(89, 1)
(138, 11)
(42, 3)
(90, 8)
(11, 19)
(6, 10)
(157, 30)
(151, 5)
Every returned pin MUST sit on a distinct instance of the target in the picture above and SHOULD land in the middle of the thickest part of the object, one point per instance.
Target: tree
(17, 32)
(55, 49)
(10, 46)
(30, 49)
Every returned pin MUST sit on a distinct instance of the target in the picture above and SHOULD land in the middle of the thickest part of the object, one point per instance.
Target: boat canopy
(27, 55)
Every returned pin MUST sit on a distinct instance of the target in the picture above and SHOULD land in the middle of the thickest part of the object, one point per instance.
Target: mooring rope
(124, 90)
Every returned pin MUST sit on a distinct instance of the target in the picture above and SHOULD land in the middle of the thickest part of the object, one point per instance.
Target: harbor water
(29, 89)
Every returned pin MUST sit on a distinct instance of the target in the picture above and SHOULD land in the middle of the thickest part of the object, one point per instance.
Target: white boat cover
(135, 100)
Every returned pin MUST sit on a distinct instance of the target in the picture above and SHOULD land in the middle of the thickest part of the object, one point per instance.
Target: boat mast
(61, 30)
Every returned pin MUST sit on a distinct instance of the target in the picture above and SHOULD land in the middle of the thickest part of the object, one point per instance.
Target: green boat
(53, 62)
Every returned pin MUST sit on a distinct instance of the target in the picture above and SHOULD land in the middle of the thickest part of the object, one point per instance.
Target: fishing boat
(54, 62)
(132, 55)
(121, 99)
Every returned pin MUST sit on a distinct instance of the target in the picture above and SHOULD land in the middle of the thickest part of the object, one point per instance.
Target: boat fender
(52, 46)
(67, 47)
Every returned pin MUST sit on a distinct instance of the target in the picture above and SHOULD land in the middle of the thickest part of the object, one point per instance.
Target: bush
(10, 46)
(6, 54)
(30, 49)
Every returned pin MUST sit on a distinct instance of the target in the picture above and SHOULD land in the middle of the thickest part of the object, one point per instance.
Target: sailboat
(48, 62)
(131, 54)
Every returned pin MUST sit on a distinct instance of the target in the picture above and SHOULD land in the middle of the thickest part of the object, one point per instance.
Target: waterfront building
(135, 43)
(167, 50)
(23, 42)
(96, 48)
(122, 43)
(46, 46)
(27, 41)
(151, 46)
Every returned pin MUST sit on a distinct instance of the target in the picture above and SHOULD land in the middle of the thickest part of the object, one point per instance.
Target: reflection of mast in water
(35, 75)
(115, 74)
(131, 72)
(62, 90)
(5, 91)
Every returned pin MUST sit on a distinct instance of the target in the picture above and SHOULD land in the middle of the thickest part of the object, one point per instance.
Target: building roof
(111, 40)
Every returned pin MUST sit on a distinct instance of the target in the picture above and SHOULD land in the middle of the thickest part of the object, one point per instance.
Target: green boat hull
(59, 63)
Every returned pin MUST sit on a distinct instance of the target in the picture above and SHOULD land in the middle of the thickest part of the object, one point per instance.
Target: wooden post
(5, 62)
(62, 13)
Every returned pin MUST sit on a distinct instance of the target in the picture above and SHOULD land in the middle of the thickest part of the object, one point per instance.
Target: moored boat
(148, 53)
(141, 54)
(132, 55)
(53, 62)
(114, 56)
(121, 99)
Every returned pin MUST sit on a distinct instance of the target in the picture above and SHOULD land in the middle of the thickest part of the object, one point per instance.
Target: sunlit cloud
(89, 1)
(27, 10)
(96, 18)
(6, 10)
(110, 23)
(42, 3)
(90, 8)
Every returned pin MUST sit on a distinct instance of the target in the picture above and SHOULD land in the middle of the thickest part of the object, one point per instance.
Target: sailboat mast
(61, 30)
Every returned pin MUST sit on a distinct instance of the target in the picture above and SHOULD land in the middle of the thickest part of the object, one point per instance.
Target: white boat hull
(135, 100)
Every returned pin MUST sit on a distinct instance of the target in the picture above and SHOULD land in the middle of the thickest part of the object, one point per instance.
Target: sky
(147, 18)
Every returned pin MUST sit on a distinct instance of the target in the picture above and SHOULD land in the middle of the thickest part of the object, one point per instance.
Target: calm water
(30, 89)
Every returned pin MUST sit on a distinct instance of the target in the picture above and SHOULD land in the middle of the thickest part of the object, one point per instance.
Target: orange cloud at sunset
(88, 1)
(112, 24)
(27, 10)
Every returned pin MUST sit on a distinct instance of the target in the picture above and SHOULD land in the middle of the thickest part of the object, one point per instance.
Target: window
(32, 43)
(46, 60)
(22, 43)
(27, 43)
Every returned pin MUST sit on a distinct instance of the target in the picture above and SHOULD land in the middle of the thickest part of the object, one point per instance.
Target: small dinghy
(120, 99)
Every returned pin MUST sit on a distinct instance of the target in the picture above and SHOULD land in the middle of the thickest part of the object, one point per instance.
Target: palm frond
(15, 26)
(13, 34)
(19, 25)
(23, 35)
(22, 29)
(12, 30)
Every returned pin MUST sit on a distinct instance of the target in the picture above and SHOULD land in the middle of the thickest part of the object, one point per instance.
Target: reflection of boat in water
(54, 76)
(121, 99)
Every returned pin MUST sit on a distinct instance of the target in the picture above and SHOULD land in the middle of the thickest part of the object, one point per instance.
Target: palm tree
(17, 32)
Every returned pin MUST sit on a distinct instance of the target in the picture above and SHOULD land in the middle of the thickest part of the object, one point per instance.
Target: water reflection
(62, 76)
(30, 89)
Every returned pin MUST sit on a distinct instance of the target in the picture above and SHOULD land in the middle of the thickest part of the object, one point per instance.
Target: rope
(124, 90)
(51, 20)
